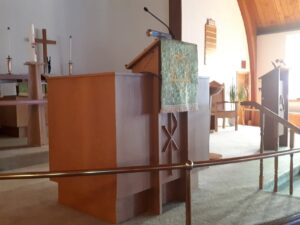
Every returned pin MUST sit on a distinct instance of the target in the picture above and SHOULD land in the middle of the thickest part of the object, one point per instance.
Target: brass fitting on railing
(189, 165)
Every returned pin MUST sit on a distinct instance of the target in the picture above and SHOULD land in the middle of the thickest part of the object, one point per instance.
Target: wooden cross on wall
(45, 42)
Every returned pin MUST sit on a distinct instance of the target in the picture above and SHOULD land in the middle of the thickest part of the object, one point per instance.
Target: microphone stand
(162, 22)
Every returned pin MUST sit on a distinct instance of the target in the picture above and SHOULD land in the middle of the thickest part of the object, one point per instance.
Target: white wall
(231, 37)
(269, 48)
(107, 34)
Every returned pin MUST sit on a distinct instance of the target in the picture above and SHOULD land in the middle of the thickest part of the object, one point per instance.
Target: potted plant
(232, 93)
(242, 94)
(232, 99)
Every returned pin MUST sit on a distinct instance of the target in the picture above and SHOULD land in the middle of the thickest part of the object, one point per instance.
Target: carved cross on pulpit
(170, 131)
(45, 42)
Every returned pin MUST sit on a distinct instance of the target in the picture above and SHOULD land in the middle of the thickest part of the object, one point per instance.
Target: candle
(9, 41)
(32, 34)
(32, 44)
(70, 48)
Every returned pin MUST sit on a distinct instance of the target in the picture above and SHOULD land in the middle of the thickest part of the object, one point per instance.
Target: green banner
(179, 70)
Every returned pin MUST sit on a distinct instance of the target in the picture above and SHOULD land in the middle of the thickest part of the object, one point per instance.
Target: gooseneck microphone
(162, 22)
(158, 34)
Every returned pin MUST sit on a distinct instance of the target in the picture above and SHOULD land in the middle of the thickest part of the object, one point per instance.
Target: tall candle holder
(9, 64)
(70, 56)
(70, 67)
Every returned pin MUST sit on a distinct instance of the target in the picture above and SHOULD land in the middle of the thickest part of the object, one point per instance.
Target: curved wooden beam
(250, 27)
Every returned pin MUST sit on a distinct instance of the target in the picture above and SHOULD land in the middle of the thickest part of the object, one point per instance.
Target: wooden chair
(221, 108)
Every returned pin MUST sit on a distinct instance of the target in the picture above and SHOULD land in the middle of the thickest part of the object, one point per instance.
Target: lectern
(274, 96)
(114, 120)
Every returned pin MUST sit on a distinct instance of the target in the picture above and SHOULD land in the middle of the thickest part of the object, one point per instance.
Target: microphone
(171, 33)
(158, 34)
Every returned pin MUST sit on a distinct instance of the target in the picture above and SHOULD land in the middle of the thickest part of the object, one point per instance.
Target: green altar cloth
(179, 71)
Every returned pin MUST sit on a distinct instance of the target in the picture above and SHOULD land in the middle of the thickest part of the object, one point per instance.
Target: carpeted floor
(7, 142)
(227, 194)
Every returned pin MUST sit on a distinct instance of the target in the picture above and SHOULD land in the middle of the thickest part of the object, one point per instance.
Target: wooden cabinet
(14, 119)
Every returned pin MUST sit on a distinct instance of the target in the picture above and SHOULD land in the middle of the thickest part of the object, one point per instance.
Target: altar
(110, 120)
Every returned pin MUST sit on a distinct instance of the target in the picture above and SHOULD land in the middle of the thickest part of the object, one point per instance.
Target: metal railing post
(291, 174)
(188, 194)
(292, 138)
(275, 174)
(262, 148)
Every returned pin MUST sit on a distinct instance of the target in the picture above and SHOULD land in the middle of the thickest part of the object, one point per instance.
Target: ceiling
(272, 16)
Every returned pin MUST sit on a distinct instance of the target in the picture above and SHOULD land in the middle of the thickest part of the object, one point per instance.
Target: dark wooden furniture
(221, 108)
(114, 120)
(13, 119)
(274, 95)
(25, 115)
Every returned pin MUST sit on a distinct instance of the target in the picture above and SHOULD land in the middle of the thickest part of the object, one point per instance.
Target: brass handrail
(293, 129)
(188, 166)
(139, 169)
(271, 114)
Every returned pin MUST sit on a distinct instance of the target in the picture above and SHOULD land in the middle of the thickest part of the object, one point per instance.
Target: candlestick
(9, 40)
(70, 68)
(32, 44)
(9, 64)
(70, 48)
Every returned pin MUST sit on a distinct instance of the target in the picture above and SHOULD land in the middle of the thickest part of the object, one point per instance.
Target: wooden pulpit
(274, 96)
(114, 120)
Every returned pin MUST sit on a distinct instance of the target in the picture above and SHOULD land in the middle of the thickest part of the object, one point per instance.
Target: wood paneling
(175, 18)
(74, 138)
(246, 8)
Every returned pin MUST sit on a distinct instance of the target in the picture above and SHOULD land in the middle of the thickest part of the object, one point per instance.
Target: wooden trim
(175, 18)
(278, 29)
(250, 27)
(146, 50)
(22, 102)
(83, 76)
(14, 76)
